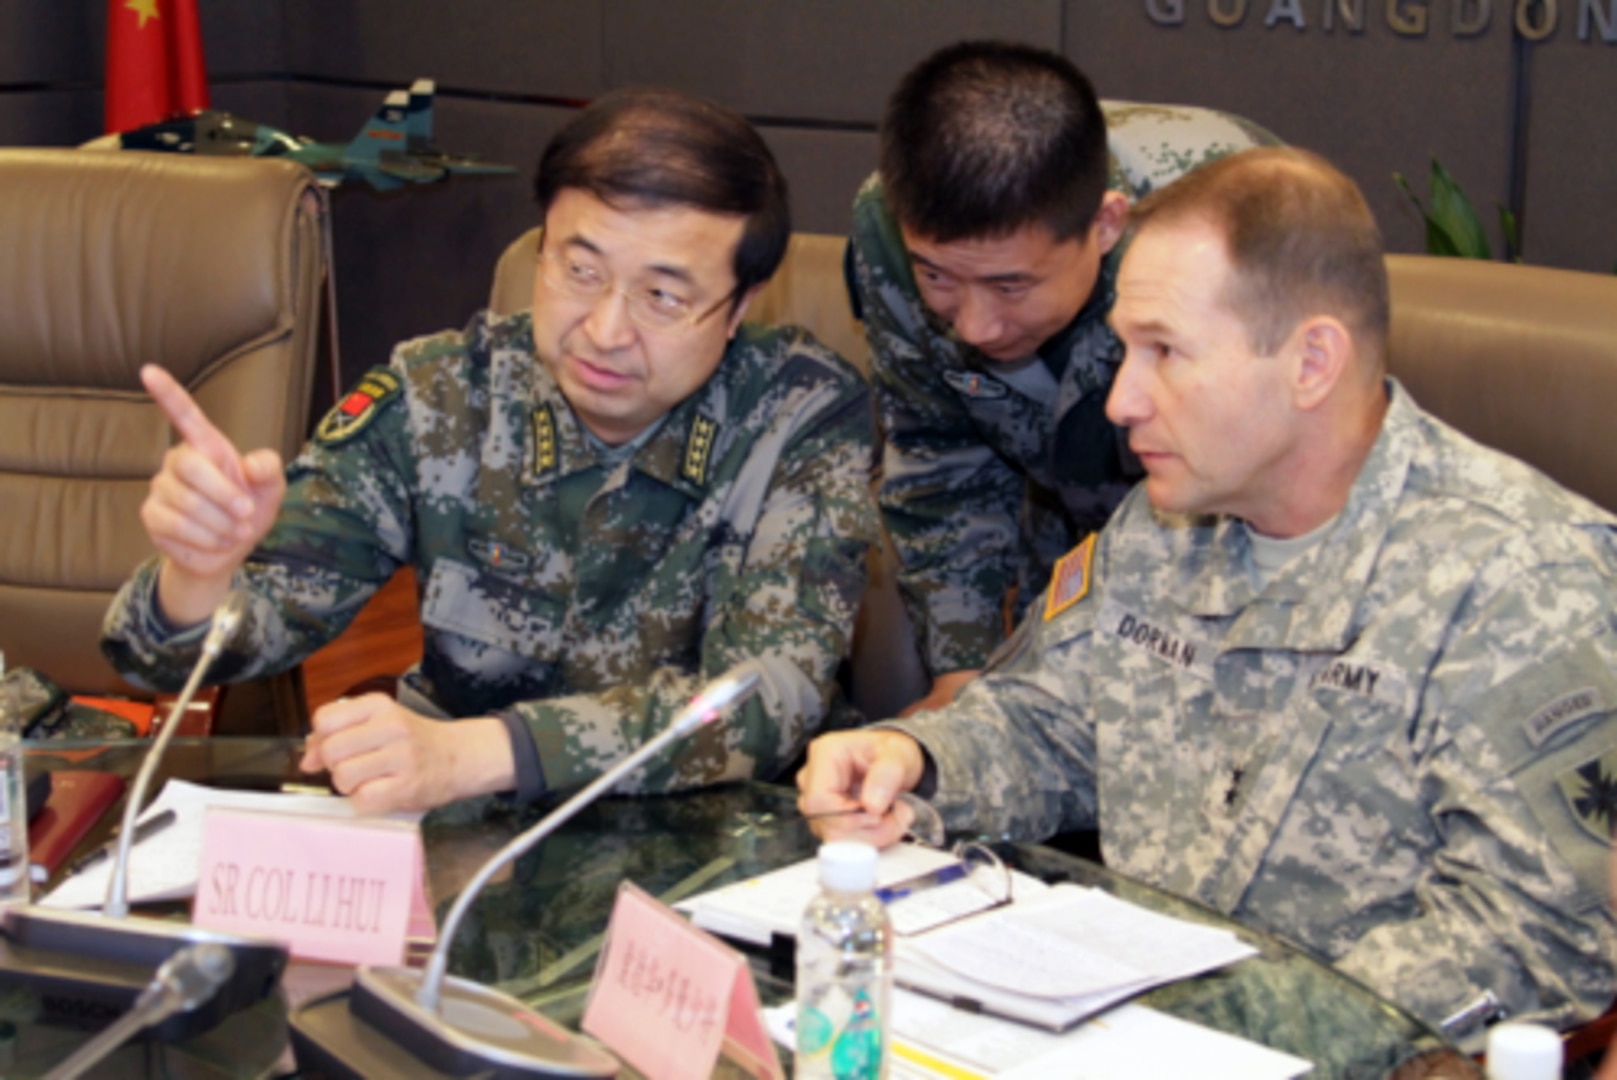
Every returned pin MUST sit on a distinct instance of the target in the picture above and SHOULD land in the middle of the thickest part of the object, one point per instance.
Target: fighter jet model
(393, 149)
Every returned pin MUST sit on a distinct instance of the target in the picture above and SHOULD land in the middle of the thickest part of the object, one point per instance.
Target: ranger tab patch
(1591, 794)
(354, 413)
(1069, 581)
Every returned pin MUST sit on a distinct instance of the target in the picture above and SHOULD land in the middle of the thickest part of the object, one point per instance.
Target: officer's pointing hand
(851, 781)
(208, 505)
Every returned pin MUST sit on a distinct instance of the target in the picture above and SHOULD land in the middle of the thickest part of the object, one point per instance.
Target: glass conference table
(537, 929)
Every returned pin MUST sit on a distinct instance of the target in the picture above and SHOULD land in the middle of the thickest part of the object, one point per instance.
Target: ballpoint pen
(143, 830)
(943, 875)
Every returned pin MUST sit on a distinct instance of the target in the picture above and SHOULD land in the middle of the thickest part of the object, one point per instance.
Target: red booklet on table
(78, 799)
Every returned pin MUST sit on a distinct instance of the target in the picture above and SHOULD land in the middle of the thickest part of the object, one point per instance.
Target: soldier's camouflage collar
(680, 453)
(1290, 613)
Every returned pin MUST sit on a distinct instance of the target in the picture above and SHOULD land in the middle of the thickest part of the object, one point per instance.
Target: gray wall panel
(823, 170)
(51, 41)
(539, 47)
(1571, 214)
(266, 101)
(820, 59)
(242, 38)
(1375, 103)
(49, 117)
(421, 259)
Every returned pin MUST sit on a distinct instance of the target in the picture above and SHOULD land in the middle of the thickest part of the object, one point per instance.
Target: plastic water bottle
(844, 971)
(1523, 1052)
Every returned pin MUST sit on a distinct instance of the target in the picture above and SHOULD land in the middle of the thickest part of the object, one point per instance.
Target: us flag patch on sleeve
(1069, 581)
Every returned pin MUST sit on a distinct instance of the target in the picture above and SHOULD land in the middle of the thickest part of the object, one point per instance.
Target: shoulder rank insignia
(1069, 581)
(542, 455)
(1591, 794)
(698, 450)
(354, 413)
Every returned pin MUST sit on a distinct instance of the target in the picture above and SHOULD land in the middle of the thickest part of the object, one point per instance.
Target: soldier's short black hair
(1300, 237)
(661, 147)
(984, 138)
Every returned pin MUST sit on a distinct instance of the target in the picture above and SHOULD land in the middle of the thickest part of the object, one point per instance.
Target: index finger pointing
(191, 422)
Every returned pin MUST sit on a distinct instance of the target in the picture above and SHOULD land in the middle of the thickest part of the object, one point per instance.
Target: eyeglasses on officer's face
(657, 308)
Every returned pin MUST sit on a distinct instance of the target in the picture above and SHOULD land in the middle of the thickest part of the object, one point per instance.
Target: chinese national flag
(154, 62)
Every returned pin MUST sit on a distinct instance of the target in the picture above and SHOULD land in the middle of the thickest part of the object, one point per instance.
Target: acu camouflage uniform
(990, 473)
(1399, 753)
(581, 598)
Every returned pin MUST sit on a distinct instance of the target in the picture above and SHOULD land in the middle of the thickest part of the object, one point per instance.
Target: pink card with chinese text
(336, 889)
(668, 996)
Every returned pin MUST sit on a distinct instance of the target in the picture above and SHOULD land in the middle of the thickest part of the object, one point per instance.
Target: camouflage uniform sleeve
(1014, 755)
(949, 502)
(341, 532)
(1519, 765)
(787, 613)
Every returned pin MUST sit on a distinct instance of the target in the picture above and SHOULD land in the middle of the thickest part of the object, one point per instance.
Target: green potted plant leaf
(1452, 225)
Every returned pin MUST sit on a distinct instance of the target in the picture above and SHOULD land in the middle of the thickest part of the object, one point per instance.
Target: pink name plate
(668, 997)
(335, 889)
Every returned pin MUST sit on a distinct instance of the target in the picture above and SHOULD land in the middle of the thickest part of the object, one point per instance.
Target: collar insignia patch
(1069, 581)
(355, 412)
(542, 455)
(698, 450)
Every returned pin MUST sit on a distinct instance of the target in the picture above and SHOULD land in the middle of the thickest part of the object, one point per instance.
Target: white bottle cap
(1523, 1052)
(848, 866)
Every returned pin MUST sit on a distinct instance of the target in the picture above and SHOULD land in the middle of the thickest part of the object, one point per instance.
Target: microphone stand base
(88, 969)
(378, 1029)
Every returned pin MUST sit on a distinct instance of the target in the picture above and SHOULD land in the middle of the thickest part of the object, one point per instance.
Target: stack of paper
(1057, 958)
(931, 1041)
(772, 904)
(1052, 957)
(164, 867)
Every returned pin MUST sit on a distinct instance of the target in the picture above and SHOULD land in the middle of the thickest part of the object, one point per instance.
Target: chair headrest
(87, 296)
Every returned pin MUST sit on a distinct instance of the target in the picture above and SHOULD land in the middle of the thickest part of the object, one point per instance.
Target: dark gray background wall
(813, 74)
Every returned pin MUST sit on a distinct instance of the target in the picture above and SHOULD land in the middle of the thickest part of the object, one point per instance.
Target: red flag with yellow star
(154, 62)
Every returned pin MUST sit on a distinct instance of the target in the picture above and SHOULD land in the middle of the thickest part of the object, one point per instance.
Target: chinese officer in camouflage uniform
(608, 501)
(1333, 668)
(983, 255)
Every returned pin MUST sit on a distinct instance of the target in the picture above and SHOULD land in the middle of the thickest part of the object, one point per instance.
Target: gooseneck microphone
(186, 980)
(91, 967)
(458, 1027)
(225, 620)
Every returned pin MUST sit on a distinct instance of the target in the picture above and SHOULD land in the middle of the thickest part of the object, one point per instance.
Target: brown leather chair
(1521, 358)
(210, 267)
